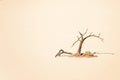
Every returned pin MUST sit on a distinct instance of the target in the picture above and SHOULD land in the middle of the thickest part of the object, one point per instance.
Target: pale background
(32, 32)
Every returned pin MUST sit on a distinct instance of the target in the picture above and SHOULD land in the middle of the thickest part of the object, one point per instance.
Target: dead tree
(81, 40)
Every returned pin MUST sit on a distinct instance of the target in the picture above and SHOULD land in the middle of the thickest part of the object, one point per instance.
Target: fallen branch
(61, 51)
(103, 53)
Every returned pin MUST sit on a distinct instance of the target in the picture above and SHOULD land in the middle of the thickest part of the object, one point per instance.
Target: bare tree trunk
(80, 47)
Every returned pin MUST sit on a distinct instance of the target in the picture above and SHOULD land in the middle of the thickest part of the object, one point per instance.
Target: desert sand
(33, 31)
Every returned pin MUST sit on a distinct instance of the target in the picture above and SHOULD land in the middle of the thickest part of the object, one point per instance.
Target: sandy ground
(104, 67)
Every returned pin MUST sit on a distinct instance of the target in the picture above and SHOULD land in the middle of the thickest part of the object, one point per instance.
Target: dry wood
(81, 39)
(61, 51)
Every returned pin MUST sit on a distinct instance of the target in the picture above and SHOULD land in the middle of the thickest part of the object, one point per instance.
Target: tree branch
(61, 51)
(92, 35)
(85, 32)
(81, 35)
(76, 41)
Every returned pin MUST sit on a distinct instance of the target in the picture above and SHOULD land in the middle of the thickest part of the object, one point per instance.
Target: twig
(75, 41)
(85, 32)
(103, 53)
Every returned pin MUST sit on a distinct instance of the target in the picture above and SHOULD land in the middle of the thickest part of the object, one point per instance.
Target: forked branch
(81, 35)
(80, 38)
